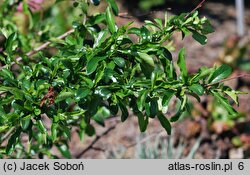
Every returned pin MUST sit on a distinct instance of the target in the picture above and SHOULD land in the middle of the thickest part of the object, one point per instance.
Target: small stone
(236, 153)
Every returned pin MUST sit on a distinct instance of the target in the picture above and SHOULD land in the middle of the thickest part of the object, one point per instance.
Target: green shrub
(98, 71)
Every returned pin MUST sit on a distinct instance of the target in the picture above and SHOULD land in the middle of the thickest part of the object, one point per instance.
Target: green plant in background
(235, 53)
(97, 71)
(147, 4)
(156, 146)
(163, 148)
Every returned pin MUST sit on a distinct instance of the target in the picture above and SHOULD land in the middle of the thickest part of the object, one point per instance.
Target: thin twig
(98, 149)
(5, 136)
(197, 7)
(228, 79)
(124, 15)
(43, 46)
(94, 141)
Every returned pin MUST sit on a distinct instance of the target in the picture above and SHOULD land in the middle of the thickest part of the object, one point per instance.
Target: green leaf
(164, 122)
(37, 112)
(10, 41)
(203, 72)
(28, 105)
(97, 19)
(102, 114)
(244, 65)
(168, 94)
(147, 63)
(146, 58)
(185, 32)
(57, 1)
(141, 100)
(159, 22)
(27, 11)
(197, 88)
(114, 7)
(82, 93)
(67, 63)
(64, 95)
(90, 130)
(207, 28)
(177, 116)
(202, 39)
(153, 107)
(54, 128)
(3, 128)
(41, 126)
(66, 130)
(224, 102)
(166, 53)
(154, 77)
(183, 102)
(100, 38)
(110, 21)
(95, 2)
(105, 93)
(25, 122)
(182, 64)
(64, 150)
(124, 111)
(100, 73)
(13, 141)
(135, 31)
(17, 105)
(71, 40)
(143, 121)
(93, 63)
(119, 61)
(180, 110)
(7, 74)
(221, 73)
(233, 95)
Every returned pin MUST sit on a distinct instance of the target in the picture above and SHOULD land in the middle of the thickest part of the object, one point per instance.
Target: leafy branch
(101, 71)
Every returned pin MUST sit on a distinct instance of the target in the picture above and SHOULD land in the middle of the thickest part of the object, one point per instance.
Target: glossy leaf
(202, 39)
(164, 122)
(146, 58)
(64, 151)
(13, 141)
(168, 94)
(141, 100)
(224, 102)
(114, 7)
(124, 111)
(93, 63)
(197, 88)
(221, 73)
(10, 41)
(63, 96)
(90, 130)
(182, 64)
(110, 21)
(119, 61)
(233, 95)
(143, 121)
(41, 127)
(54, 128)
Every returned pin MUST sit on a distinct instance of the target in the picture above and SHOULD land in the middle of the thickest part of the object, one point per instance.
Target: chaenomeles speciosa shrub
(98, 71)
